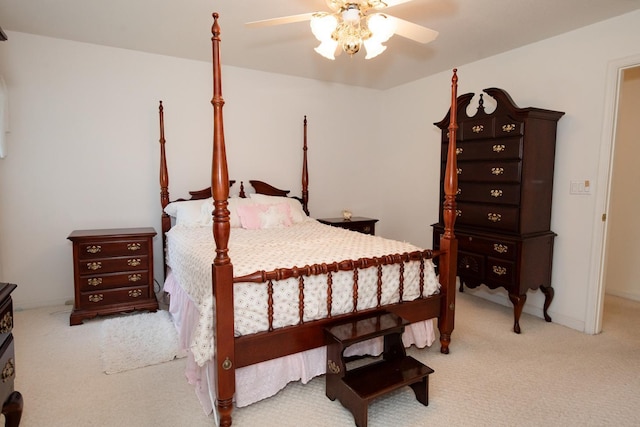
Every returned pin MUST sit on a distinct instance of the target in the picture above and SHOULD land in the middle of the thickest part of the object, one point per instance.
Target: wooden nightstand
(113, 272)
(356, 223)
(11, 400)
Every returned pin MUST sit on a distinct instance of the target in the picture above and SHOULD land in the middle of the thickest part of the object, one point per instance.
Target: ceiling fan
(349, 26)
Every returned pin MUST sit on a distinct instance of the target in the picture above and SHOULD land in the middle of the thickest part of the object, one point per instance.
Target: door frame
(595, 296)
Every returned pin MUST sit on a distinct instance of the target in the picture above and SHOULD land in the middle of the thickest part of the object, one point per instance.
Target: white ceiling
(469, 30)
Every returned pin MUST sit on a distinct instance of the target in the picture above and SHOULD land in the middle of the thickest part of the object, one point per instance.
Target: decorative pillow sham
(295, 207)
(258, 217)
(232, 206)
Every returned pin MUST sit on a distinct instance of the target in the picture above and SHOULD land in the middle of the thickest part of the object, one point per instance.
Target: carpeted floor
(547, 376)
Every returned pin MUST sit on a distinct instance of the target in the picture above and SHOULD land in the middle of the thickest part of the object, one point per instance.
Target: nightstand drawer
(7, 366)
(109, 265)
(6, 319)
(102, 249)
(114, 296)
(115, 280)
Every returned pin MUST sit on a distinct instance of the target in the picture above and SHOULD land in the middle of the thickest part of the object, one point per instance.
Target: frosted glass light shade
(327, 48)
(322, 26)
(381, 27)
(373, 47)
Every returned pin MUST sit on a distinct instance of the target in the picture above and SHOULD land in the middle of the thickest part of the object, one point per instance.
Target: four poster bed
(261, 319)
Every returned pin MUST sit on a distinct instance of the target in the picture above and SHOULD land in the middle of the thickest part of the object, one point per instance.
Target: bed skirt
(265, 379)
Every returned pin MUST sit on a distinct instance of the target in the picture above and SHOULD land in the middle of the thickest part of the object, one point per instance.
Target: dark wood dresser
(505, 185)
(12, 399)
(113, 272)
(356, 223)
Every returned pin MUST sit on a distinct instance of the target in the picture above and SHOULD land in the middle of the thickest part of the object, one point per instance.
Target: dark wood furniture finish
(505, 173)
(356, 223)
(232, 352)
(12, 400)
(113, 272)
(356, 387)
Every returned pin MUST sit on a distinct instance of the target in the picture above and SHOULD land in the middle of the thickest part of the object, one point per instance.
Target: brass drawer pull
(459, 150)
(499, 148)
(6, 324)
(94, 265)
(496, 193)
(459, 171)
(134, 246)
(134, 262)
(501, 249)
(494, 217)
(509, 127)
(459, 192)
(96, 297)
(135, 277)
(135, 293)
(458, 212)
(497, 171)
(94, 249)
(8, 371)
(500, 271)
(477, 128)
(94, 281)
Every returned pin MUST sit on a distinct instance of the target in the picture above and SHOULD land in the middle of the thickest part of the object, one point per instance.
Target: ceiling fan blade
(279, 21)
(413, 31)
(390, 3)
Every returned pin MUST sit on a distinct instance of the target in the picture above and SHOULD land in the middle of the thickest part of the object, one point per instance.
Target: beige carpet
(547, 376)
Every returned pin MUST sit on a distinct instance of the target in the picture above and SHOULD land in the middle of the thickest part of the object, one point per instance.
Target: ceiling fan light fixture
(350, 26)
(323, 25)
(381, 27)
(327, 48)
(373, 48)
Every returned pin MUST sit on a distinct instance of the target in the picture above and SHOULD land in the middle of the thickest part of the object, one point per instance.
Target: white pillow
(297, 214)
(233, 203)
(187, 213)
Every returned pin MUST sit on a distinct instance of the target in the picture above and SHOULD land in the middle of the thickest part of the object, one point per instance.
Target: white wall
(566, 73)
(83, 149)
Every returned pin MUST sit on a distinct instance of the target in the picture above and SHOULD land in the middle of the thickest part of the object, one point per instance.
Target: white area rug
(135, 341)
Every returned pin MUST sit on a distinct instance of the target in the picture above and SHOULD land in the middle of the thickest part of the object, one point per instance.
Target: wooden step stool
(355, 388)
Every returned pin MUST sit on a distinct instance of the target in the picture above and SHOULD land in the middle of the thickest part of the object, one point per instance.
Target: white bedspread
(191, 251)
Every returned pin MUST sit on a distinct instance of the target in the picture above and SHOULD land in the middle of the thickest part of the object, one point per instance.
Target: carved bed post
(222, 270)
(448, 241)
(164, 187)
(305, 172)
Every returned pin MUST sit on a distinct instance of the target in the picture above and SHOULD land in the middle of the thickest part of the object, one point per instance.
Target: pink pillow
(256, 217)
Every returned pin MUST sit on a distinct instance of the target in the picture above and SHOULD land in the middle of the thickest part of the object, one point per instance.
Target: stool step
(364, 328)
(376, 379)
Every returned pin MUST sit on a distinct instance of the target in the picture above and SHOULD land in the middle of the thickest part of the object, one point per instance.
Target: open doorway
(615, 251)
(623, 229)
